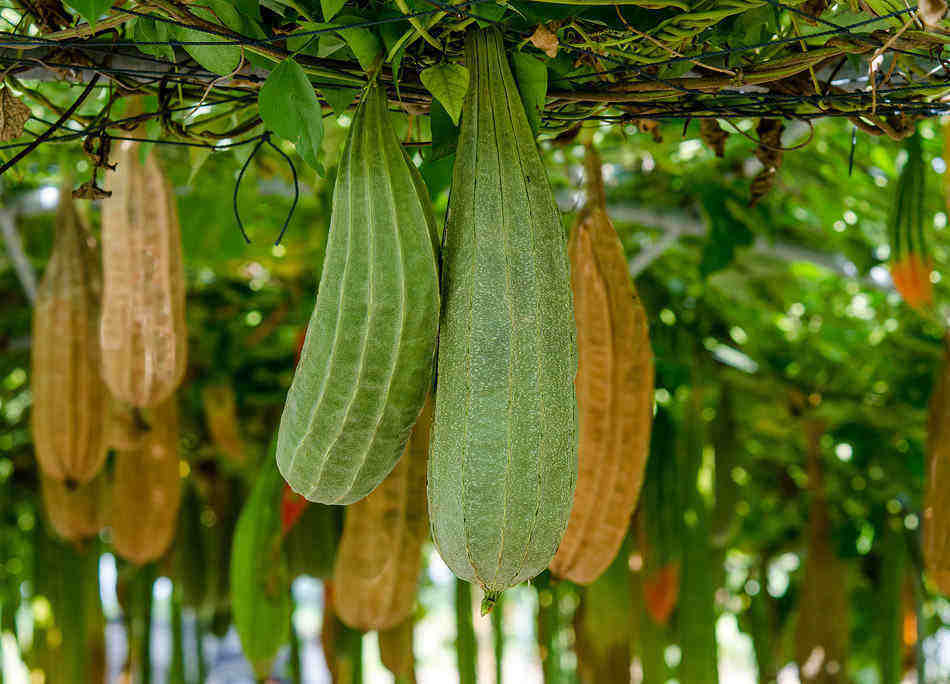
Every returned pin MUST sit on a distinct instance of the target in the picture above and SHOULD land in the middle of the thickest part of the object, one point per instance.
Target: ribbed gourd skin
(367, 360)
(69, 398)
(142, 332)
(936, 522)
(614, 391)
(503, 462)
(146, 489)
(380, 555)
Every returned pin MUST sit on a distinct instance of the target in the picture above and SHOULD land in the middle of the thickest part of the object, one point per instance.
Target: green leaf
(329, 43)
(391, 33)
(532, 77)
(251, 28)
(489, 11)
(260, 581)
(339, 98)
(197, 156)
(444, 133)
(305, 8)
(448, 83)
(330, 8)
(437, 174)
(289, 107)
(309, 44)
(90, 10)
(363, 42)
(222, 59)
(147, 30)
(249, 8)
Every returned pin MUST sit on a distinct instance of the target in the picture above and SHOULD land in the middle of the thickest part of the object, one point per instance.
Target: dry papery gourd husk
(380, 554)
(69, 397)
(75, 513)
(822, 631)
(396, 651)
(142, 332)
(220, 407)
(146, 488)
(936, 523)
(614, 386)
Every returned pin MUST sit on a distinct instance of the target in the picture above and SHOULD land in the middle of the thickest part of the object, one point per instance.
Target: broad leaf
(437, 174)
(260, 581)
(490, 12)
(289, 107)
(197, 156)
(330, 8)
(339, 98)
(448, 83)
(532, 77)
(218, 59)
(363, 42)
(249, 8)
(148, 30)
(444, 133)
(90, 10)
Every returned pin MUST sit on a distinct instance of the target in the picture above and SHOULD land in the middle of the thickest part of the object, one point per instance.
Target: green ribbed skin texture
(367, 360)
(503, 461)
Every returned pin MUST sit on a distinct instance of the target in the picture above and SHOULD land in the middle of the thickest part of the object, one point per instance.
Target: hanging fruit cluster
(108, 351)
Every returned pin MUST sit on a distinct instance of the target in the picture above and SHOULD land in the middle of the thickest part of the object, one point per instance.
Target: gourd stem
(465, 633)
(498, 638)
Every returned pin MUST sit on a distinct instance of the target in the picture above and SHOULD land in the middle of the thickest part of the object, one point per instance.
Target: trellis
(881, 68)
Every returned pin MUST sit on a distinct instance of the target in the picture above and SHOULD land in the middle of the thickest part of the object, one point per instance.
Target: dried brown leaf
(13, 115)
(769, 152)
(545, 40)
(713, 135)
(90, 191)
(930, 12)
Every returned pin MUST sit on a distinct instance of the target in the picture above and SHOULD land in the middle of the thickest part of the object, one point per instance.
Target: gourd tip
(491, 598)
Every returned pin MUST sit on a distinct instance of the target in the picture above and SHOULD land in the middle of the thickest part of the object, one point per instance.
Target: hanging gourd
(911, 263)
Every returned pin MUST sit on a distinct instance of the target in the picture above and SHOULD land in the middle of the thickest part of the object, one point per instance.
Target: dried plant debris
(769, 152)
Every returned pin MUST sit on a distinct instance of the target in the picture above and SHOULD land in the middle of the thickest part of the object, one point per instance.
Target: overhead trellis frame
(648, 59)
